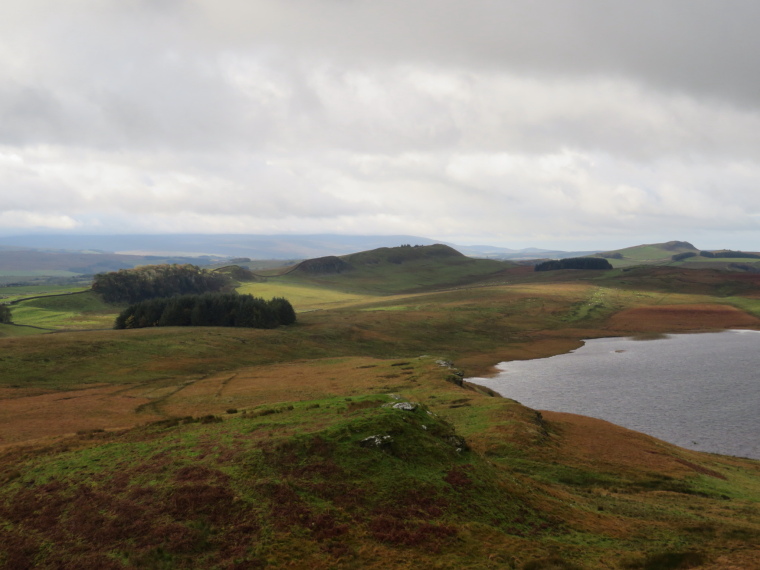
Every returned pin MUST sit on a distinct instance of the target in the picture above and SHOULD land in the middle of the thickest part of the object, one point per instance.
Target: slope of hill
(335, 443)
(335, 462)
(390, 270)
(655, 253)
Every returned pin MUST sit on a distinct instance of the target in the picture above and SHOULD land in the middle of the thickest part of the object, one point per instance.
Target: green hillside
(393, 270)
(656, 253)
(682, 254)
(72, 311)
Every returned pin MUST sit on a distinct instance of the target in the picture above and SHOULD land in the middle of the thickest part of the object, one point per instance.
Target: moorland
(350, 438)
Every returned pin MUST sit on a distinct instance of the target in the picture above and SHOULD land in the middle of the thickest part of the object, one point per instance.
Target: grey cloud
(688, 45)
(437, 117)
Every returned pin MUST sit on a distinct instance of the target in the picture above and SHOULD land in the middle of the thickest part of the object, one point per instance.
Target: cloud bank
(562, 123)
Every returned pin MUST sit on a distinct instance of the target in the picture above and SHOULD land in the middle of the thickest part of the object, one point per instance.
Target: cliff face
(323, 265)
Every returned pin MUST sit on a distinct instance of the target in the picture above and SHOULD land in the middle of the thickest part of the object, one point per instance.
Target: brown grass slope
(234, 448)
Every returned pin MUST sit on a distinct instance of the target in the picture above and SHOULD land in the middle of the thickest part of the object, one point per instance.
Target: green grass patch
(387, 278)
(7, 330)
(303, 297)
(13, 293)
(84, 310)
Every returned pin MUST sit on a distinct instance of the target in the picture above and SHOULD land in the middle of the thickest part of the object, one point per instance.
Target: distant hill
(388, 270)
(654, 253)
(683, 254)
(258, 247)
(216, 245)
(25, 265)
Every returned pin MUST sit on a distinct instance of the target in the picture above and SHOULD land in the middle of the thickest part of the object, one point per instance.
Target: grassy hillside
(325, 473)
(657, 253)
(404, 269)
(246, 448)
(73, 311)
(16, 292)
(662, 254)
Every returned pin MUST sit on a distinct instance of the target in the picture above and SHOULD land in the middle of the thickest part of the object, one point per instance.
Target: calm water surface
(699, 391)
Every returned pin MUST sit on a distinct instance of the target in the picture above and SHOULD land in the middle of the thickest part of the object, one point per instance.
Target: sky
(567, 124)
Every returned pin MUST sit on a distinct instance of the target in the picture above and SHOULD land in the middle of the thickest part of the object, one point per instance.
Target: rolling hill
(395, 270)
(683, 254)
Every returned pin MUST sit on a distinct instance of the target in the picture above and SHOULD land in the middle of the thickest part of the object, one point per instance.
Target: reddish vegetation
(39, 416)
(673, 318)
(600, 442)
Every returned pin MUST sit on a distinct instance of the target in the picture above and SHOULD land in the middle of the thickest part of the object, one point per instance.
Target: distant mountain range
(290, 247)
(45, 257)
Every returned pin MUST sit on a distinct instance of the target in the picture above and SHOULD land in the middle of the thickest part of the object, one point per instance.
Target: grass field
(13, 293)
(81, 310)
(304, 297)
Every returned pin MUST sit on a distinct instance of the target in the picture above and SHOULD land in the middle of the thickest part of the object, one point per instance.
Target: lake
(698, 391)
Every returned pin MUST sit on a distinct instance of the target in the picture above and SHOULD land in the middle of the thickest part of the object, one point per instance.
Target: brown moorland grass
(161, 372)
(608, 446)
(275, 384)
(678, 318)
(60, 413)
(564, 503)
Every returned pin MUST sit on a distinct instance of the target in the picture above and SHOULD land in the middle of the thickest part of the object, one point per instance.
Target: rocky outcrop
(323, 265)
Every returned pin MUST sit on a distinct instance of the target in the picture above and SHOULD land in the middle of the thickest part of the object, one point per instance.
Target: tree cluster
(684, 255)
(729, 254)
(5, 314)
(208, 310)
(574, 263)
(152, 281)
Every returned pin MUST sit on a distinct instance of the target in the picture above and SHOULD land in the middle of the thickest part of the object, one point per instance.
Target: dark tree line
(574, 263)
(684, 255)
(152, 281)
(729, 254)
(5, 314)
(208, 310)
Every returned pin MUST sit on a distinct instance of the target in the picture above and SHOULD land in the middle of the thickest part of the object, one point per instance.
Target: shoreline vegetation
(351, 439)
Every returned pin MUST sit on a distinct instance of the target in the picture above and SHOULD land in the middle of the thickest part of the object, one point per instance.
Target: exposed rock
(454, 379)
(381, 441)
(406, 406)
(458, 442)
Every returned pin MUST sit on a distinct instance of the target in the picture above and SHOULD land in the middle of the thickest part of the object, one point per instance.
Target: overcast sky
(550, 123)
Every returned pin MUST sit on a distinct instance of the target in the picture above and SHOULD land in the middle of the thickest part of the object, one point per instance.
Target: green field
(304, 297)
(13, 293)
(81, 310)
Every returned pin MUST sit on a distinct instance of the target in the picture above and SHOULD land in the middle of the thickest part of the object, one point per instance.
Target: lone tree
(5, 314)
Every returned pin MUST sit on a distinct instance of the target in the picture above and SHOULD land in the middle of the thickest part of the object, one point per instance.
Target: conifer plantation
(208, 310)
(151, 281)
